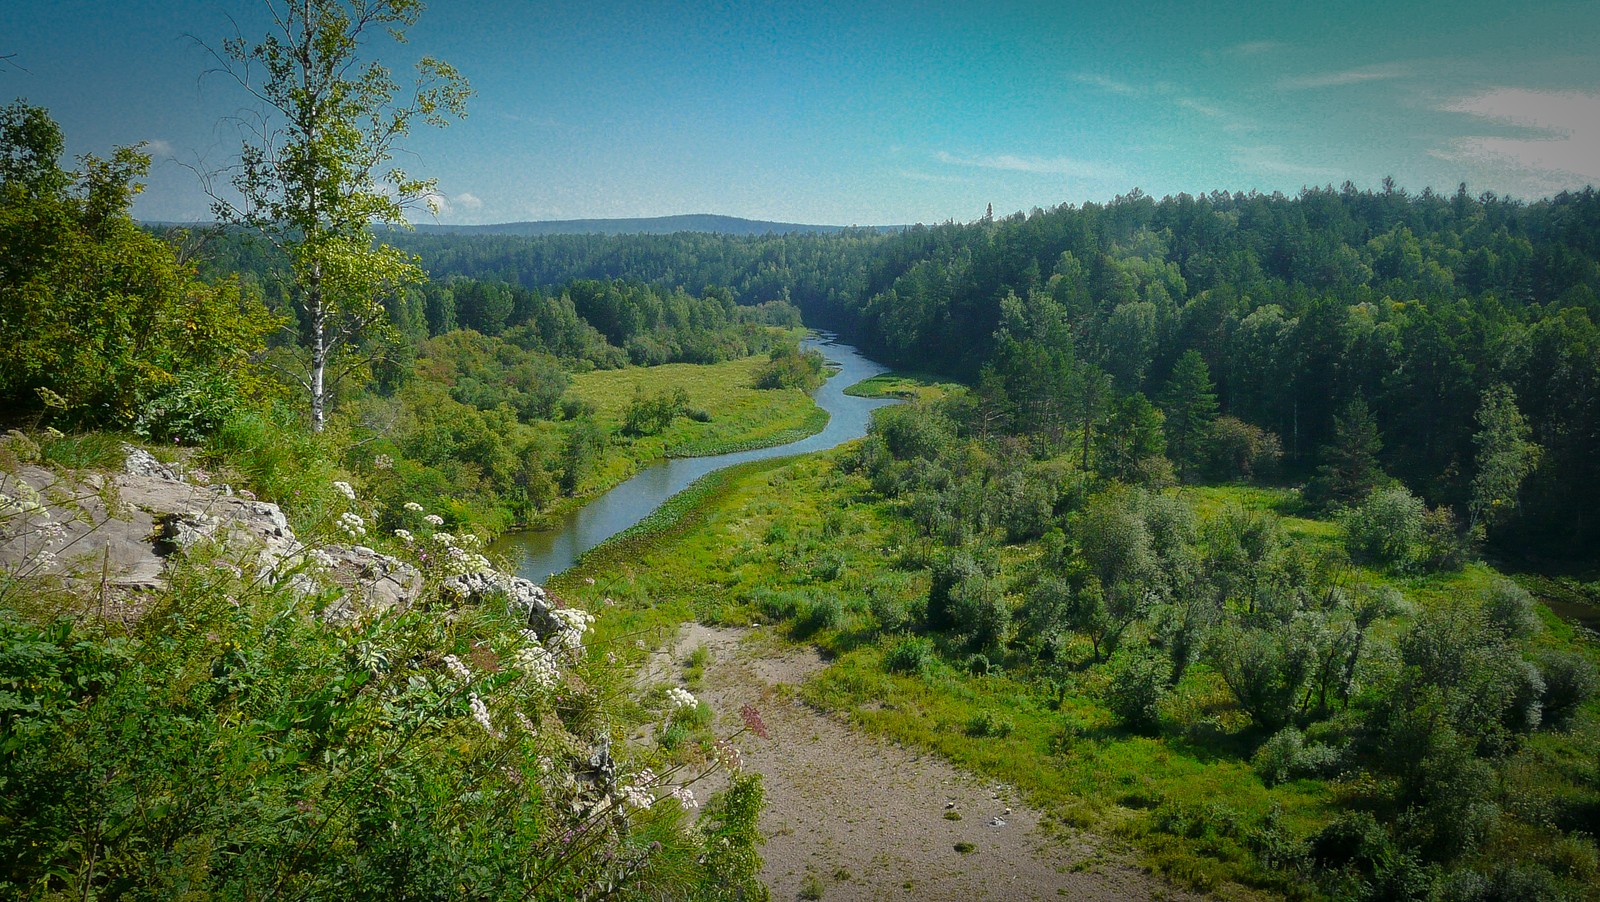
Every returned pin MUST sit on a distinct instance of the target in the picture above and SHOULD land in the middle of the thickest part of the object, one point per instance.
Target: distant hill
(655, 225)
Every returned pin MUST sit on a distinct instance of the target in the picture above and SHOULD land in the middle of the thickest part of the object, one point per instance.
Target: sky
(876, 113)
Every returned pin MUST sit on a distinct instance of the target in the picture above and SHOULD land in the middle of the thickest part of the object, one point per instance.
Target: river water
(538, 555)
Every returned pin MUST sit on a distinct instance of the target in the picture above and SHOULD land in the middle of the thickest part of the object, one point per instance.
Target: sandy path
(866, 818)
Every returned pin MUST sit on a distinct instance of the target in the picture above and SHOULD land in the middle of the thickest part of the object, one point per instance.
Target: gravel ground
(860, 818)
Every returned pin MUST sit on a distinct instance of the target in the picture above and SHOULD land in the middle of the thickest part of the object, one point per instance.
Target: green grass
(741, 416)
(783, 540)
(907, 386)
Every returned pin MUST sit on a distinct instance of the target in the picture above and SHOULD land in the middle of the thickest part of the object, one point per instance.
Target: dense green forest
(1419, 306)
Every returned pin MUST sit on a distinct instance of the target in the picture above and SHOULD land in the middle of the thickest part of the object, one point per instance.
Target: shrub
(1239, 451)
(1287, 756)
(1510, 610)
(1387, 528)
(988, 724)
(1570, 680)
(912, 654)
(823, 612)
(1137, 688)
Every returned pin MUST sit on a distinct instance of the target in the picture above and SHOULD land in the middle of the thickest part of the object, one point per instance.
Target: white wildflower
(480, 713)
(414, 507)
(727, 754)
(470, 540)
(685, 797)
(539, 664)
(345, 489)
(527, 726)
(323, 559)
(433, 520)
(405, 536)
(353, 525)
(571, 624)
(457, 669)
(383, 462)
(637, 797)
(680, 698)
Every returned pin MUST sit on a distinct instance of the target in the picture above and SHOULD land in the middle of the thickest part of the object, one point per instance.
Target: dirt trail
(861, 818)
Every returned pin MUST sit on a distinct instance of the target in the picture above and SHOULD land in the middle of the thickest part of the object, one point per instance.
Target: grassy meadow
(806, 547)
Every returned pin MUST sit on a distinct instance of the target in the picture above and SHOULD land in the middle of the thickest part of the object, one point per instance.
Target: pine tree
(1350, 468)
(1190, 405)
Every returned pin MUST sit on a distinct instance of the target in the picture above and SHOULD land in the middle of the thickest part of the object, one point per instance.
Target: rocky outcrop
(523, 598)
(119, 533)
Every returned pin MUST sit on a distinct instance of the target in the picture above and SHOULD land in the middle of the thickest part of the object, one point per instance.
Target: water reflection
(537, 555)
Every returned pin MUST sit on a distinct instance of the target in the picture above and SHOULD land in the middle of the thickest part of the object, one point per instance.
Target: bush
(1239, 451)
(1510, 610)
(1137, 688)
(1570, 680)
(989, 724)
(1387, 528)
(824, 612)
(912, 654)
(1286, 756)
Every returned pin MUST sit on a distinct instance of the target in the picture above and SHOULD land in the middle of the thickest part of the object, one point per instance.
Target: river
(538, 555)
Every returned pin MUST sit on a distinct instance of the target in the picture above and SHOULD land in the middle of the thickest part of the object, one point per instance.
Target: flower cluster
(345, 489)
(685, 797)
(571, 624)
(405, 536)
(537, 662)
(480, 713)
(353, 525)
(637, 793)
(433, 520)
(413, 506)
(753, 722)
(457, 669)
(681, 699)
(727, 754)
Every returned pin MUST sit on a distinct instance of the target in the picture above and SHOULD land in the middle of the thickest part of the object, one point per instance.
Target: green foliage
(100, 322)
(1570, 680)
(789, 367)
(651, 415)
(1136, 689)
(318, 176)
(1239, 451)
(912, 655)
(1350, 469)
(986, 724)
(1505, 457)
(1190, 405)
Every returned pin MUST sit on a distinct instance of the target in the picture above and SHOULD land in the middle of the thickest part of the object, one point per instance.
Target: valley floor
(856, 817)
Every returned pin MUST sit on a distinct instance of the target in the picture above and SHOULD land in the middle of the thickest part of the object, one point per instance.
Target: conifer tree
(1350, 468)
(1190, 405)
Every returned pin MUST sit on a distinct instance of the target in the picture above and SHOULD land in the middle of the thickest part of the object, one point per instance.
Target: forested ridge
(1416, 305)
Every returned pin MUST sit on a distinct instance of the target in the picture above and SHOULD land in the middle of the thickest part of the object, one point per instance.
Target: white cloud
(1032, 165)
(467, 201)
(1347, 77)
(156, 147)
(436, 203)
(1201, 107)
(1563, 150)
(1109, 84)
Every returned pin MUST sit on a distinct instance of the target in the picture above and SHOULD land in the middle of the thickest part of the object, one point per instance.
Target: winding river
(538, 555)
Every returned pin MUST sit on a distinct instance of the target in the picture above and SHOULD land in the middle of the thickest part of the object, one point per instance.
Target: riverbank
(538, 555)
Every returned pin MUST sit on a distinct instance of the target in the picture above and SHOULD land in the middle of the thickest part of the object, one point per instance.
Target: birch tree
(316, 171)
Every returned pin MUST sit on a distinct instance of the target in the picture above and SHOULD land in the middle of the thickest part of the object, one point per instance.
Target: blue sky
(881, 112)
